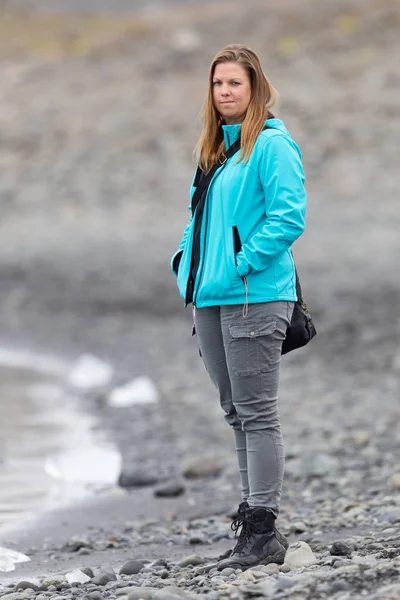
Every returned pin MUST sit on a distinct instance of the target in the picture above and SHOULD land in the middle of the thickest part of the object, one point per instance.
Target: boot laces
(247, 530)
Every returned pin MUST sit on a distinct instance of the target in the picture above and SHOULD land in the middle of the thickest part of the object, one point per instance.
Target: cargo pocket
(250, 346)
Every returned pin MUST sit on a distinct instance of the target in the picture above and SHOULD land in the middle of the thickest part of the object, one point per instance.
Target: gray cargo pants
(242, 356)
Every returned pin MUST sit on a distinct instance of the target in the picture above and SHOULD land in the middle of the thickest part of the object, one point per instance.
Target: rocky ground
(98, 118)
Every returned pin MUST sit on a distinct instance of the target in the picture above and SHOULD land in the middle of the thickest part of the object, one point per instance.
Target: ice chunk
(8, 558)
(90, 372)
(138, 391)
(77, 576)
(85, 465)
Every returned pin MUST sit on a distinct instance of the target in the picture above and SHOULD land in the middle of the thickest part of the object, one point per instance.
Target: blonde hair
(210, 147)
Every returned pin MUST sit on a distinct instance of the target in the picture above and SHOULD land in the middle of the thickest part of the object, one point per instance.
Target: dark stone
(132, 567)
(341, 548)
(88, 571)
(135, 478)
(104, 578)
(170, 490)
(25, 585)
(164, 574)
(75, 545)
(161, 562)
(95, 595)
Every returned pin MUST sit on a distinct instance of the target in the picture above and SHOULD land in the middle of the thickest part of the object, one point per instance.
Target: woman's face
(231, 92)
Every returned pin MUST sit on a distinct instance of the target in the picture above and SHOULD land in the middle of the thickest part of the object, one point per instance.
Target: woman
(234, 264)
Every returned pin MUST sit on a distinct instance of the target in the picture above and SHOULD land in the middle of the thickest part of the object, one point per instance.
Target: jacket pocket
(251, 346)
(237, 243)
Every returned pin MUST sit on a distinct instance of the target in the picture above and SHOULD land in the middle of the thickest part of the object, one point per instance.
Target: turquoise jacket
(254, 212)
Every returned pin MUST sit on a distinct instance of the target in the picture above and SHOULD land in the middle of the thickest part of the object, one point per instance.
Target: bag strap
(202, 180)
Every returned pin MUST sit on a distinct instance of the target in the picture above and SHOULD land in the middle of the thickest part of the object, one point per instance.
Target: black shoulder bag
(301, 329)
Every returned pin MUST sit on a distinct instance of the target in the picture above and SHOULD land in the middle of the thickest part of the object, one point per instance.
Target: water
(49, 453)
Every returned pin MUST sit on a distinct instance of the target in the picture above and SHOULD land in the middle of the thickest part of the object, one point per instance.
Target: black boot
(238, 522)
(257, 543)
(234, 526)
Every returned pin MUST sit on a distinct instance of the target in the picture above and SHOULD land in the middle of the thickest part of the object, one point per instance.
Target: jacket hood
(232, 132)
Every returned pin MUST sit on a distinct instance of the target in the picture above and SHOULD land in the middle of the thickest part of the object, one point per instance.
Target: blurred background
(99, 115)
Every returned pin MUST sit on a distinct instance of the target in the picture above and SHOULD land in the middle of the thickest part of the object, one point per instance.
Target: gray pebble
(141, 593)
(165, 595)
(26, 585)
(284, 583)
(284, 568)
(17, 596)
(342, 562)
(193, 559)
(388, 592)
(198, 538)
(318, 464)
(95, 596)
(200, 467)
(170, 490)
(392, 516)
(341, 548)
(298, 527)
(132, 567)
(135, 478)
(111, 585)
(227, 572)
(339, 586)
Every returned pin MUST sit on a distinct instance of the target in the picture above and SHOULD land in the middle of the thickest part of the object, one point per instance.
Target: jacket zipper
(192, 280)
(237, 246)
(204, 253)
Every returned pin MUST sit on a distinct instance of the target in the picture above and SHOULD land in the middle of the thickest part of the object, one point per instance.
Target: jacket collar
(231, 134)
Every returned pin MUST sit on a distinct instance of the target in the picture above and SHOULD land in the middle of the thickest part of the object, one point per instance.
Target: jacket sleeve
(282, 178)
(175, 260)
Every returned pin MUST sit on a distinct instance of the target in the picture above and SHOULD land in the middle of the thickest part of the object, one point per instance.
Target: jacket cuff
(243, 269)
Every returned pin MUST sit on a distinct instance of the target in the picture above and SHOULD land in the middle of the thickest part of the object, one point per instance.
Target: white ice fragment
(90, 372)
(6, 564)
(77, 576)
(138, 391)
(299, 554)
(8, 558)
(85, 465)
